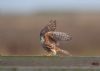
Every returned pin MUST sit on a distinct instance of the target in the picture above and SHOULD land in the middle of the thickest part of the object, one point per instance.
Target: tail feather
(64, 52)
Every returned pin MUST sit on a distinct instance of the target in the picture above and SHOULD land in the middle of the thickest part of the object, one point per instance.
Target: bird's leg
(52, 53)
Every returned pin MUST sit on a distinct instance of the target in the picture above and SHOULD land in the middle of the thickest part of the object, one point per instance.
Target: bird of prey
(50, 39)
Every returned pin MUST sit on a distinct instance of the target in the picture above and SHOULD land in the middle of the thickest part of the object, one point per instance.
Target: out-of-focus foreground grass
(37, 63)
(47, 69)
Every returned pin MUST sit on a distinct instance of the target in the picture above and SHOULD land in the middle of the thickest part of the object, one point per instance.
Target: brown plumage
(50, 38)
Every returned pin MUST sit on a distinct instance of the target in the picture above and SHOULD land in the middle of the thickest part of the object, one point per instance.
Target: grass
(46, 69)
(45, 63)
(49, 61)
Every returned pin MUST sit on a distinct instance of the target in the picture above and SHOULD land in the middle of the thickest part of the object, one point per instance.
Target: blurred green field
(46, 69)
(52, 63)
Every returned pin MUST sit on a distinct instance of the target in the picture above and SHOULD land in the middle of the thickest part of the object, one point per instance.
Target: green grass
(49, 62)
(46, 69)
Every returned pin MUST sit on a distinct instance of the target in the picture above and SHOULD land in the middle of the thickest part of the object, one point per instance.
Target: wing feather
(60, 36)
(50, 27)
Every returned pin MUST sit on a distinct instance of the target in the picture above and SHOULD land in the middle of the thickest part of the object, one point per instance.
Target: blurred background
(22, 20)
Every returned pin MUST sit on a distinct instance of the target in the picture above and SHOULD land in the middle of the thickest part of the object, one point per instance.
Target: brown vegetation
(19, 34)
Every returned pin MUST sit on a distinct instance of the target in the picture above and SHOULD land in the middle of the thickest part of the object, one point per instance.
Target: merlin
(50, 39)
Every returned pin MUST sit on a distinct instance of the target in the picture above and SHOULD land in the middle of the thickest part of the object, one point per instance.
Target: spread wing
(60, 36)
(50, 27)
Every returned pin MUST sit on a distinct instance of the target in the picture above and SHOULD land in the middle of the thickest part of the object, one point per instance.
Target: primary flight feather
(49, 39)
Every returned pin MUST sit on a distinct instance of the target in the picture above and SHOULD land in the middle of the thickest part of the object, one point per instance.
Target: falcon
(50, 39)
